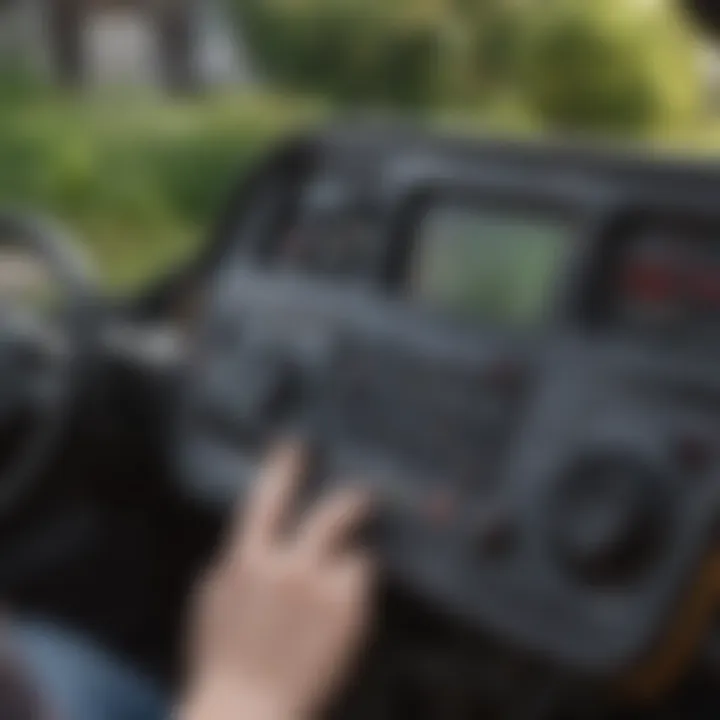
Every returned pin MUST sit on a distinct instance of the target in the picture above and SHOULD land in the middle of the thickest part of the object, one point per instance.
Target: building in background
(178, 45)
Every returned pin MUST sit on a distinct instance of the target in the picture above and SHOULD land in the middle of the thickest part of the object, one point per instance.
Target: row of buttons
(447, 422)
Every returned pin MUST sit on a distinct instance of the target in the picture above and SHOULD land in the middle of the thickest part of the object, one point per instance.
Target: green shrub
(382, 52)
(616, 64)
(611, 66)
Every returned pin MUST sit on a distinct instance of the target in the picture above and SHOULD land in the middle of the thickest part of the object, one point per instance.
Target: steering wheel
(47, 301)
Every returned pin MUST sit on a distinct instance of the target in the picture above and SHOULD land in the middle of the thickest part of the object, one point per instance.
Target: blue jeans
(78, 681)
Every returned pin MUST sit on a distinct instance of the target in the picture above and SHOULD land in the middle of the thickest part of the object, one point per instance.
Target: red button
(506, 374)
(440, 508)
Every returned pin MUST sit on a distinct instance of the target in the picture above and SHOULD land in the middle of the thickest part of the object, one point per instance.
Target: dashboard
(514, 350)
(414, 213)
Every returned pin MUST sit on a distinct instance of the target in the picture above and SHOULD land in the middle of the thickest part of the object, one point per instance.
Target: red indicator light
(440, 508)
(651, 281)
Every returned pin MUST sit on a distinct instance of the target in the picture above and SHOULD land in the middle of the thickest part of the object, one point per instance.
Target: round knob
(608, 517)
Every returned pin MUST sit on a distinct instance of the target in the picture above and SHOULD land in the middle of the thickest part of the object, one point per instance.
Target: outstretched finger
(272, 497)
(334, 522)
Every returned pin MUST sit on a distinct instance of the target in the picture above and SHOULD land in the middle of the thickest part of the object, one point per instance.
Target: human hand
(284, 614)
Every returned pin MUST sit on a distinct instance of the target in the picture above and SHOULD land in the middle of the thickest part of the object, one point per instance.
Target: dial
(609, 515)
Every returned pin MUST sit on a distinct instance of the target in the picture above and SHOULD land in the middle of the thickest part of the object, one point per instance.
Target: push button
(495, 533)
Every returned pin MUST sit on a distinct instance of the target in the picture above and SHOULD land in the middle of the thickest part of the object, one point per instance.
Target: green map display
(490, 264)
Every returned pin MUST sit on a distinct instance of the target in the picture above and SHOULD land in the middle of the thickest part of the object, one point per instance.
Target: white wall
(121, 49)
(23, 32)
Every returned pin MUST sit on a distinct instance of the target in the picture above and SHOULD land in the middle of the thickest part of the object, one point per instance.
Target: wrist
(228, 699)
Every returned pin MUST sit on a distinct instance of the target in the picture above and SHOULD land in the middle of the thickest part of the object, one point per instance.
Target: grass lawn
(139, 179)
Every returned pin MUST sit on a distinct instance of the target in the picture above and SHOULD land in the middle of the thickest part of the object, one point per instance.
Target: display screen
(669, 279)
(497, 264)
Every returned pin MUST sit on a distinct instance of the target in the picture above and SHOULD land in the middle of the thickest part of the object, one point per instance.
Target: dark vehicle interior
(514, 346)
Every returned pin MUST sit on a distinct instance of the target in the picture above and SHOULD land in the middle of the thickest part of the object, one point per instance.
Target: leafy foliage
(139, 178)
(609, 66)
(616, 64)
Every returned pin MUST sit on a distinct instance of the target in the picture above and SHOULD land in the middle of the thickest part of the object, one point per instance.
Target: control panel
(531, 488)
(507, 383)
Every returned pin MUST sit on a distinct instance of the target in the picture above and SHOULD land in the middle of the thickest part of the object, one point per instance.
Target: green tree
(377, 51)
(617, 65)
